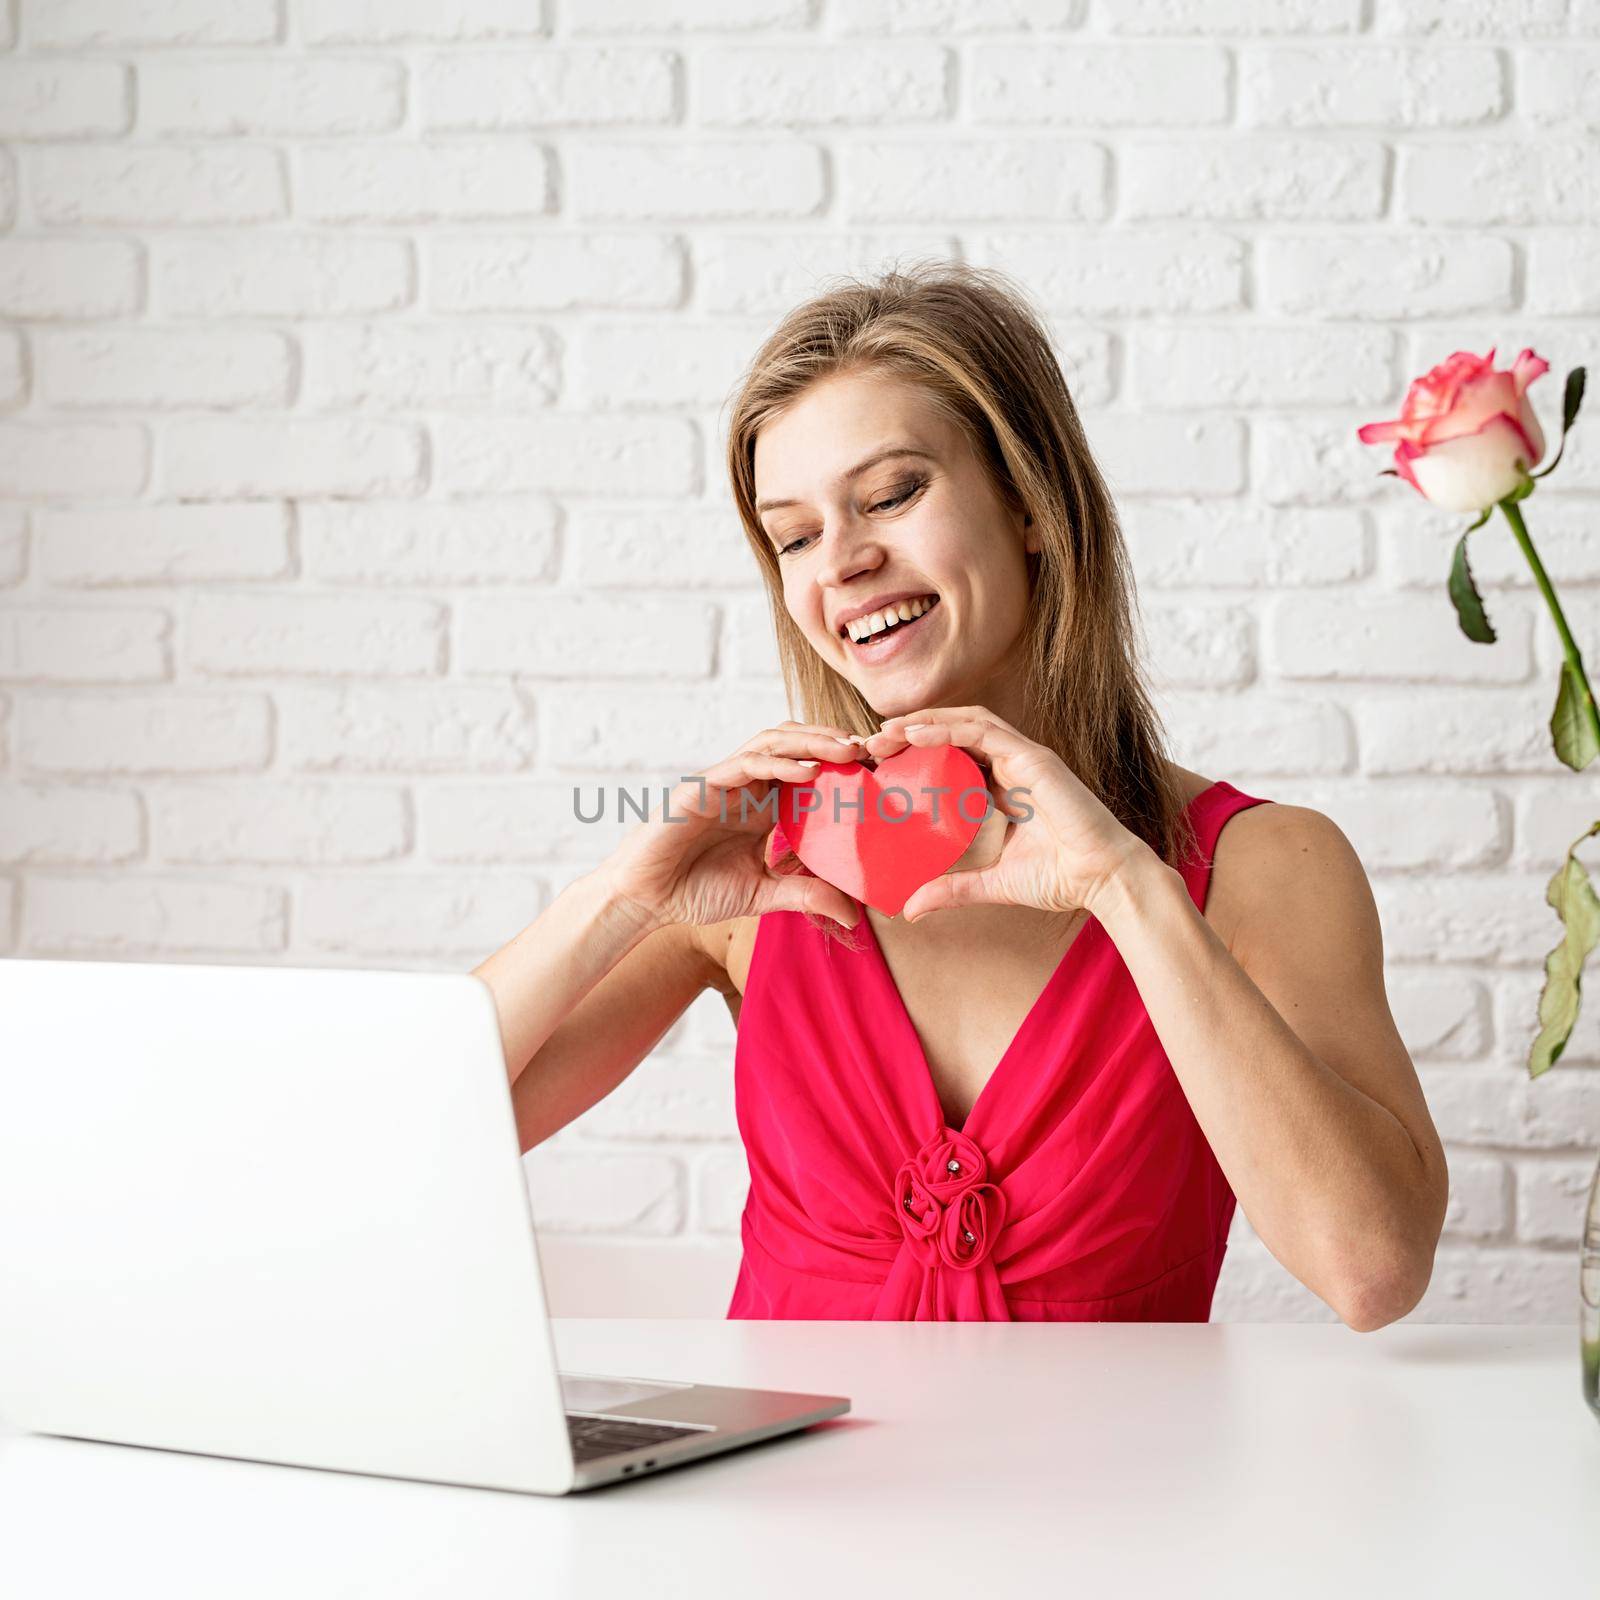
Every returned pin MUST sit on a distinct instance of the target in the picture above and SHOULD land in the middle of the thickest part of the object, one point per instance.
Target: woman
(1039, 1093)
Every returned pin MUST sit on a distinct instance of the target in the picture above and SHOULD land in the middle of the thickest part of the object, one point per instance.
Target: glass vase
(1589, 1296)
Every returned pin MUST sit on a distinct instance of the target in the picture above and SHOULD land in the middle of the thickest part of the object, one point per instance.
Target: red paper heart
(880, 833)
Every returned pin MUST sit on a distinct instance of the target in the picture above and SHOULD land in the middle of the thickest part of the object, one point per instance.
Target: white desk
(980, 1460)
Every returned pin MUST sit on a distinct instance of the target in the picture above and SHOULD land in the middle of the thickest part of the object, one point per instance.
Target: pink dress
(1079, 1189)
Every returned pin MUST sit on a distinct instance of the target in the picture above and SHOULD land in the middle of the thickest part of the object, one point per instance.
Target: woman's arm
(1289, 1056)
(1281, 1037)
(584, 993)
(587, 988)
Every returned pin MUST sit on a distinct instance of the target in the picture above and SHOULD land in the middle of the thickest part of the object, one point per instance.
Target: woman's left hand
(1061, 857)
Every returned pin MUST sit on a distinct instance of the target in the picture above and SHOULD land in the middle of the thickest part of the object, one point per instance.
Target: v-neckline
(1091, 926)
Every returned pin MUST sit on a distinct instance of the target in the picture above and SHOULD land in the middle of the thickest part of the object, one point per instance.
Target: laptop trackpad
(581, 1392)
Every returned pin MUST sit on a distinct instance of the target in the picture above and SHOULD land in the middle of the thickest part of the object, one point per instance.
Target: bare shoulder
(1281, 870)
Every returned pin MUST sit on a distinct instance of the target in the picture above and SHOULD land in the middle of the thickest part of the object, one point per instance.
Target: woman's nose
(849, 547)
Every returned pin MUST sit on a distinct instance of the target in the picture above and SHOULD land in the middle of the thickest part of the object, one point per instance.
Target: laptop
(280, 1214)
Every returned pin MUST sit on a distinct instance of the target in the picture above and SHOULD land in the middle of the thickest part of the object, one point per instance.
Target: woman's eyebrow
(887, 453)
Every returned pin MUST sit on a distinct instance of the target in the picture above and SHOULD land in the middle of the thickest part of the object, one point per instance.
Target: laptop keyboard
(605, 1436)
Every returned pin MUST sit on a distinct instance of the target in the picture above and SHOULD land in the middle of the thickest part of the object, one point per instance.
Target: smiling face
(909, 529)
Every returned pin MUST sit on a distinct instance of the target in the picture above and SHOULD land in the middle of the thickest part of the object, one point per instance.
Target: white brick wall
(360, 433)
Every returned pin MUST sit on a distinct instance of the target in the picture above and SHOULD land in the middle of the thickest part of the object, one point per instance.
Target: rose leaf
(1570, 728)
(1469, 604)
(1574, 900)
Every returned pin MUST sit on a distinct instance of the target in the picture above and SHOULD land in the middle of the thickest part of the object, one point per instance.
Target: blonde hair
(971, 341)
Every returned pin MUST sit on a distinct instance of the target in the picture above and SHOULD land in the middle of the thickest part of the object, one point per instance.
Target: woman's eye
(905, 494)
(898, 499)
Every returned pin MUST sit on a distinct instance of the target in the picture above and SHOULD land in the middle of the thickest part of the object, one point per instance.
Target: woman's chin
(900, 699)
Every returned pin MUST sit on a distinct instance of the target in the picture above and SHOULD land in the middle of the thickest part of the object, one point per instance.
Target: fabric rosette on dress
(948, 1212)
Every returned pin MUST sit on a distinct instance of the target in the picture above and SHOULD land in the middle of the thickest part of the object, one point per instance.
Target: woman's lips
(898, 640)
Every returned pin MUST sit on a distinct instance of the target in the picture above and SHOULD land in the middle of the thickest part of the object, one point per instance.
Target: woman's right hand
(708, 863)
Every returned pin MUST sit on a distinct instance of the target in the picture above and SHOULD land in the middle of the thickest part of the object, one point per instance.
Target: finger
(810, 727)
(884, 744)
(952, 714)
(891, 738)
(928, 736)
(898, 722)
(836, 729)
(776, 849)
(748, 764)
(837, 747)
(951, 890)
(704, 793)
(789, 893)
(985, 741)
(796, 742)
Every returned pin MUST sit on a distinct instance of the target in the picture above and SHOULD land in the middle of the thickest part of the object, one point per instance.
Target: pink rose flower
(971, 1224)
(947, 1211)
(949, 1162)
(921, 1214)
(1463, 428)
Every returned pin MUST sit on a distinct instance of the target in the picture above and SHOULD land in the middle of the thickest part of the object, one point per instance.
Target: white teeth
(903, 611)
